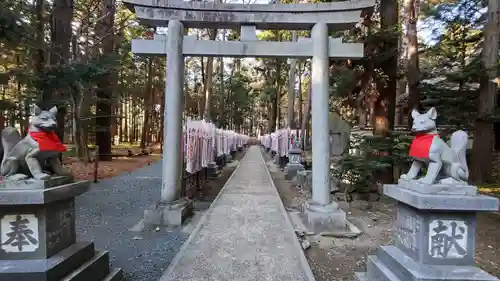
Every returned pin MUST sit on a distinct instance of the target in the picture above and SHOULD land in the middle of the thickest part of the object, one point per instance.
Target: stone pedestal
(435, 235)
(38, 238)
(229, 158)
(220, 161)
(213, 171)
(294, 163)
(168, 214)
(291, 170)
(276, 159)
(304, 179)
(282, 161)
(273, 154)
(324, 218)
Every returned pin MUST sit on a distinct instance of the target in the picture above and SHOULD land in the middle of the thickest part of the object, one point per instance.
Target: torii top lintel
(337, 15)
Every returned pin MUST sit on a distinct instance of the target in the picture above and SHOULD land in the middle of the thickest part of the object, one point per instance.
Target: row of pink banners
(280, 141)
(202, 142)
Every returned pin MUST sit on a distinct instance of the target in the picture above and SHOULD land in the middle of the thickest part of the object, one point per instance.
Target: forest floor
(333, 259)
(108, 169)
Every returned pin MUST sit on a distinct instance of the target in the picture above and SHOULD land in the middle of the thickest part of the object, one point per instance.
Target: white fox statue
(37, 154)
(446, 164)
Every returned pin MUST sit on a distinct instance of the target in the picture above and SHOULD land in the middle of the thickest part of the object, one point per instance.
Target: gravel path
(107, 212)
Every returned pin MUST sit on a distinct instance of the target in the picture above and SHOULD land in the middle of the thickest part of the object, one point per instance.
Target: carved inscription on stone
(294, 158)
(407, 228)
(448, 239)
(19, 233)
(60, 225)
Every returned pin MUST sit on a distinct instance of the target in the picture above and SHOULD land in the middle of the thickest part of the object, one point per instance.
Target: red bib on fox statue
(421, 145)
(48, 141)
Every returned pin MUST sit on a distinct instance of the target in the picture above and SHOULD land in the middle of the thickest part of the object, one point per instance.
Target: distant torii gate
(178, 15)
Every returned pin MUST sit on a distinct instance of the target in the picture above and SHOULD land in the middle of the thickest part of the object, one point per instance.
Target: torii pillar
(172, 209)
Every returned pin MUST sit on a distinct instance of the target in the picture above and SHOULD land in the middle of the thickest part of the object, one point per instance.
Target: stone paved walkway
(245, 235)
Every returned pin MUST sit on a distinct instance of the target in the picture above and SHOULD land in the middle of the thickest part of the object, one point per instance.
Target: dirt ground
(336, 259)
(108, 169)
(211, 188)
(119, 165)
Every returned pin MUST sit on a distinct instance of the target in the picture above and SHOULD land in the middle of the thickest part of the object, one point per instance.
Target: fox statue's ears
(414, 113)
(35, 110)
(431, 114)
(53, 110)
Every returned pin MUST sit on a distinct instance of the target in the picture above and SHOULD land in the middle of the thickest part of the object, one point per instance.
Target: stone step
(408, 270)
(360, 276)
(97, 268)
(376, 270)
(116, 274)
(54, 268)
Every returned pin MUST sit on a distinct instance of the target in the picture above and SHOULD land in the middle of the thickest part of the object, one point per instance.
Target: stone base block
(229, 158)
(441, 189)
(272, 154)
(392, 264)
(360, 276)
(36, 184)
(282, 162)
(292, 169)
(304, 179)
(220, 161)
(213, 171)
(276, 159)
(172, 214)
(77, 262)
(436, 201)
(324, 218)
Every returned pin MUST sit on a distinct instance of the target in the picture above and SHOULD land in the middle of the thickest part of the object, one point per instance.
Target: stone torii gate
(178, 15)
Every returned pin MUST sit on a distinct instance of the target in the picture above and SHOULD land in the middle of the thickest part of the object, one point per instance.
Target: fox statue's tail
(10, 137)
(458, 143)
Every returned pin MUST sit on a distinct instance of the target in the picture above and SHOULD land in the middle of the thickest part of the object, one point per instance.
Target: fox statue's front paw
(404, 177)
(425, 180)
(41, 176)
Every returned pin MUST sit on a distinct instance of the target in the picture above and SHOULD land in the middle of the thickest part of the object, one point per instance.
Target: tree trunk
(147, 104)
(299, 101)
(306, 115)
(291, 86)
(274, 107)
(104, 84)
(291, 93)
(482, 148)
(384, 111)
(413, 71)
(61, 33)
(126, 115)
(39, 55)
(207, 85)
(277, 86)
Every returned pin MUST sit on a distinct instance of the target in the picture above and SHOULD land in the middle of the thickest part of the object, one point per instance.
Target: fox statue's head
(425, 122)
(44, 120)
